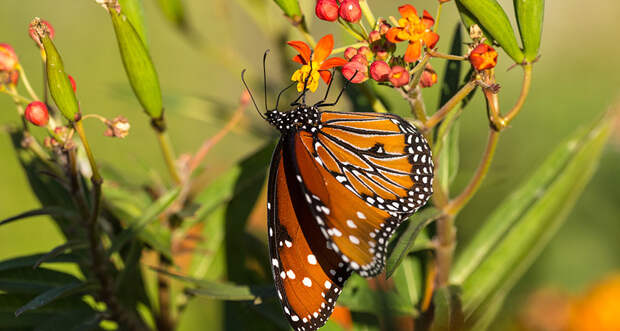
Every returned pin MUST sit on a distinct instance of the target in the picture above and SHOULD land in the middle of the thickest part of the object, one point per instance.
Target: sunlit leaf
(530, 15)
(537, 223)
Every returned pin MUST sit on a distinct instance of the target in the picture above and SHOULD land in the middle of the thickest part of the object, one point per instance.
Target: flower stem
(342, 49)
(17, 98)
(446, 56)
(368, 13)
(302, 29)
(168, 153)
(437, 17)
(446, 242)
(375, 103)
(96, 177)
(24, 79)
(350, 30)
(449, 105)
(525, 89)
(457, 203)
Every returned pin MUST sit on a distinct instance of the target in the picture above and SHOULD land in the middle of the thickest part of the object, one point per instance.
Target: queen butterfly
(339, 185)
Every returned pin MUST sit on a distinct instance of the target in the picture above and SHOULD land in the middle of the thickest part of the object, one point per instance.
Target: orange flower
(314, 64)
(414, 29)
(483, 57)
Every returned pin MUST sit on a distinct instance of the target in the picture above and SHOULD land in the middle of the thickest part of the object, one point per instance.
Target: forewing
(308, 275)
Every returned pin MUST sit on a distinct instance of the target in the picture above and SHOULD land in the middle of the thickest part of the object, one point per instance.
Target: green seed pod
(291, 9)
(530, 19)
(469, 20)
(57, 80)
(494, 20)
(134, 11)
(138, 65)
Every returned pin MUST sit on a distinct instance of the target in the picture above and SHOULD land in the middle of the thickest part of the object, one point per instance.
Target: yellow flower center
(413, 28)
(302, 74)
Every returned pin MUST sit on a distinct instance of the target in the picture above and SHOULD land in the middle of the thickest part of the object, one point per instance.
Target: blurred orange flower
(599, 309)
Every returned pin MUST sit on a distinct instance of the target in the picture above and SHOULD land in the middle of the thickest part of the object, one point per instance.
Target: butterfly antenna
(265, 77)
(251, 96)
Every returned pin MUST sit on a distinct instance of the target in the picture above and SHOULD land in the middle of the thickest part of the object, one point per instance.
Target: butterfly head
(302, 117)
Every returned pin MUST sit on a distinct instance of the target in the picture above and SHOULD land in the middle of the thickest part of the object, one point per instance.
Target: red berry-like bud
(365, 51)
(8, 58)
(380, 71)
(429, 77)
(399, 76)
(326, 10)
(37, 114)
(33, 32)
(350, 10)
(374, 36)
(360, 58)
(72, 81)
(384, 28)
(349, 53)
(483, 57)
(355, 71)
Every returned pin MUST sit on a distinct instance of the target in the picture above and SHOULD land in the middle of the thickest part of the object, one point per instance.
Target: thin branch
(449, 105)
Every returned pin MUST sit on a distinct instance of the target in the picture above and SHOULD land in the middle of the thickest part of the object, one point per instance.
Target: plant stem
(368, 13)
(446, 242)
(525, 89)
(342, 49)
(433, 53)
(457, 203)
(24, 79)
(96, 177)
(449, 105)
(375, 103)
(413, 97)
(18, 99)
(168, 153)
(437, 17)
(302, 29)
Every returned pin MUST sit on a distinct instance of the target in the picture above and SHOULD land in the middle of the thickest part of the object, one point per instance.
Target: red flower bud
(365, 51)
(35, 36)
(8, 58)
(72, 81)
(429, 77)
(374, 36)
(380, 71)
(360, 58)
(37, 114)
(384, 28)
(399, 76)
(483, 57)
(326, 10)
(349, 53)
(350, 10)
(355, 71)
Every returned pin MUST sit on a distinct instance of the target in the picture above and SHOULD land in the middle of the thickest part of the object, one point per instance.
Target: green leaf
(469, 20)
(448, 310)
(222, 290)
(61, 314)
(138, 65)
(174, 12)
(290, 9)
(359, 297)
(530, 15)
(28, 280)
(408, 280)
(493, 18)
(150, 215)
(59, 250)
(35, 260)
(405, 242)
(134, 10)
(59, 85)
(526, 238)
(51, 295)
(51, 211)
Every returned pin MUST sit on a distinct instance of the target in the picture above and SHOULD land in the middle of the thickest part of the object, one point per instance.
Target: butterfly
(339, 185)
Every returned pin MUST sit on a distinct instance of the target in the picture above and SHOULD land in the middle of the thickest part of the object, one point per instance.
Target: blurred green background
(576, 79)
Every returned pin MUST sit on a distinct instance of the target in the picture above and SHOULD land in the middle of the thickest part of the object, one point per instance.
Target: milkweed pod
(57, 80)
(492, 18)
(291, 9)
(530, 15)
(138, 65)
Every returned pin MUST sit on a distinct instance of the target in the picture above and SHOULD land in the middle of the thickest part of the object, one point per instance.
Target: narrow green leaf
(61, 314)
(359, 297)
(57, 80)
(405, 242)
(290, 8)
(408, 280)
(223, 291)
(150, 215)
(138, 65)
(50, 211)
(34, 260)
(60, 250)
(512, 208)
(493, 18)
(174, 12)
(134, 10)
(448, 310)
(530, 15)
(28, 280)
(529, 235)
(51, 295)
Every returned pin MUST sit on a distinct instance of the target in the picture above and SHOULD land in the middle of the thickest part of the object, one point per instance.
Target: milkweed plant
(144, 257)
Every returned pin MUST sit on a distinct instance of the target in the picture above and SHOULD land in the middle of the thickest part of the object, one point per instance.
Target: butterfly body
(339, 186)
